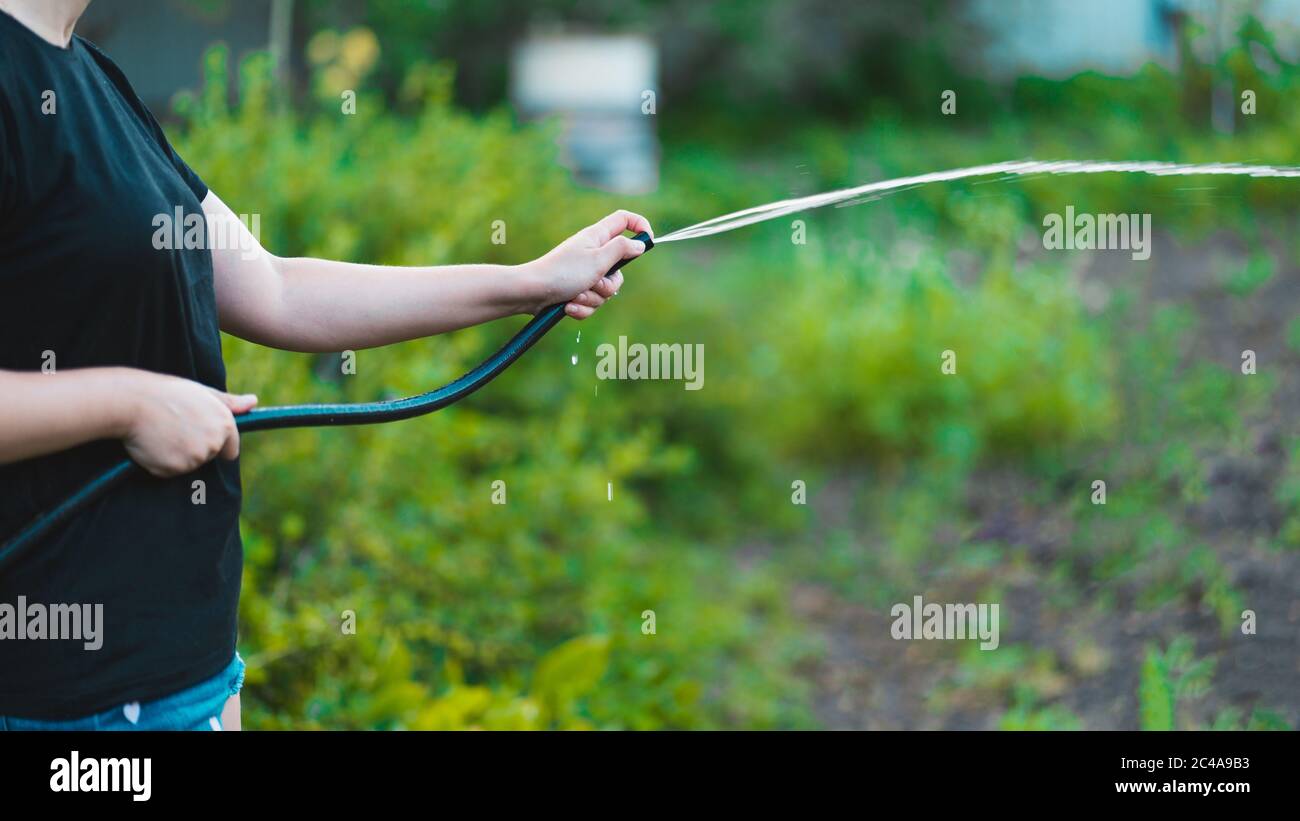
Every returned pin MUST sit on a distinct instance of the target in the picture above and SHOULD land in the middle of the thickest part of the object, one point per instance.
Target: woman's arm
(43, 413)
(169, 425)
(316, 305)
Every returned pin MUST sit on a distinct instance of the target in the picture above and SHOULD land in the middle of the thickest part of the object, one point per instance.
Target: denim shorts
(196, 708)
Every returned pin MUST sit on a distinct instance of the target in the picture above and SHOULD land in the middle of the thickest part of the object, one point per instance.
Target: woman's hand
(574, 271)
(174, 425)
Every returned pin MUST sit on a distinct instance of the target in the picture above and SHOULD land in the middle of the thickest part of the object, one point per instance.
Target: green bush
(467, 613)
(821, 359)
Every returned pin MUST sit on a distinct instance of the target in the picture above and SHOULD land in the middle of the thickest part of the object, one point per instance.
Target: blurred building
(602, 88)
(1063, 37)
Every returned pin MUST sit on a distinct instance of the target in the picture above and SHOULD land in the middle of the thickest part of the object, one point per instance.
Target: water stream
(1006, 170)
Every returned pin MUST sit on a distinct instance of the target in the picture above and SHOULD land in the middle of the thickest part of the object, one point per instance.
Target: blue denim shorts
(196, 708)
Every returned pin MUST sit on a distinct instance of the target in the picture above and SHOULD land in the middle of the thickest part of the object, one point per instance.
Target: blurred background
(822, 361)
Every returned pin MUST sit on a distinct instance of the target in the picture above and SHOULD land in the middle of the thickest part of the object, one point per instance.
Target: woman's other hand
(175, 425)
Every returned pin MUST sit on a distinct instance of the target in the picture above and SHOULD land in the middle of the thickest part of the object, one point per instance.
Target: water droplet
(579, 336)
(574, 359)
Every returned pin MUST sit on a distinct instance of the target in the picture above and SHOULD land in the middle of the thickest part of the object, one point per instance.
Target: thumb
(238, 403)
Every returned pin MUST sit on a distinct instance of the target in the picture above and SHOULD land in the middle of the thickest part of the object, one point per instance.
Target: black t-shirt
(85, 173)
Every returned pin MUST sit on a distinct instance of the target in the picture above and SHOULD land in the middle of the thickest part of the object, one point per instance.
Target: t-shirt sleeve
(191, 177)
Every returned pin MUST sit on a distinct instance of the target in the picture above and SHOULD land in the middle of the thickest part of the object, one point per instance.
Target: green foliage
(1168, 677)
(1024, 717)
(468, 613)
(570, 671)
(801, 55)
(1156, 694)
(1293, 335)
(1010, 392)
(822, 360)
(1231, 719)
(1257, 271)
(1288, 500)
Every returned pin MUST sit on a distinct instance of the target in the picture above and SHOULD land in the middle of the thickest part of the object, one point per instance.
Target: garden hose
(312, 416)
(303, 416)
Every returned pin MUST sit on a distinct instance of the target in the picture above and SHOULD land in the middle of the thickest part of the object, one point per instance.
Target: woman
(126, 617)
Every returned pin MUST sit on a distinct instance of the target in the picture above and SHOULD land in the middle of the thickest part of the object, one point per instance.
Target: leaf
(570, 671)
(1267, 720)
(1155, 693)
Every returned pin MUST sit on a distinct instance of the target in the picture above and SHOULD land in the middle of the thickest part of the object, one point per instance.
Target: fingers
(230, 447)
(238, 403)
(618, 248)
(608, 286)
(589, 299)
(618, 222)
(577, 311)
(585, 304)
